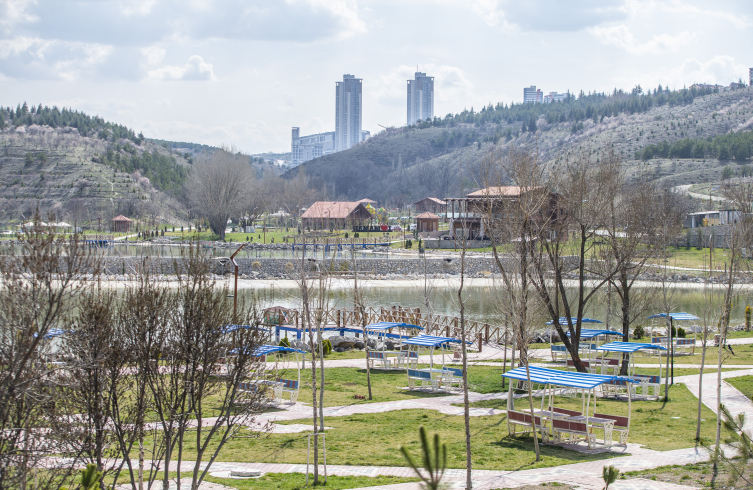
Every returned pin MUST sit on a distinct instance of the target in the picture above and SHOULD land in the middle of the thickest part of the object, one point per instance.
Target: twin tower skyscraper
(349, 118)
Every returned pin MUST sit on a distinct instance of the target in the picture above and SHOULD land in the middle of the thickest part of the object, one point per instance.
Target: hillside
(84, 169)
(403, 165)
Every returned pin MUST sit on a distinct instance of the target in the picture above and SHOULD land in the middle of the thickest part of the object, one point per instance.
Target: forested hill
(83, 167)
(402, 165)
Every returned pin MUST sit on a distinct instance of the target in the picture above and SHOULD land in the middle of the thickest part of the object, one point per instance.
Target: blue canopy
(628, 347)
(52, 333)
(562, 378)
(270, 349)
(678, 317)
(431, 341)
(232, 328)
(563, 321)
(383, 326)
(587, 333)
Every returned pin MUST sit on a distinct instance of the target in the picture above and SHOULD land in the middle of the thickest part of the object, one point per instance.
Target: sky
(243, 73)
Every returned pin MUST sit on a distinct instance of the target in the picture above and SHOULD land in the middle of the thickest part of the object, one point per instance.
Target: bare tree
(584, 189)
(38, 282)
(509, 222)
(220, 186)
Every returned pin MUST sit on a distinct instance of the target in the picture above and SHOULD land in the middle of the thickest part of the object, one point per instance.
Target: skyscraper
(750, 76)
(420, 98)
(348, 94)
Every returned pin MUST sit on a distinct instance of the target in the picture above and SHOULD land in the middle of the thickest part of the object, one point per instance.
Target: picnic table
(401, 357)
(605, 424)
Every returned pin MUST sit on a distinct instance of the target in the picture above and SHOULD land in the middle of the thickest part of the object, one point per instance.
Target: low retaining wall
(290, 267)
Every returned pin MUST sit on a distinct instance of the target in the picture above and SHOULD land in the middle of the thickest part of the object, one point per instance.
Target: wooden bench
(422, 376)
(685, 346)
(247, 390)
(567, 431)
(565, 412)
(607, 364)
(452, 376)
(621, 426)
(289, 386)
(379, 356)
(559, 353)
(648, 383)
(515, 418)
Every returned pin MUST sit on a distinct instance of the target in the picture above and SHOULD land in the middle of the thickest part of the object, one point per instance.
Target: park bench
(685, 346)
(411, 359)
(379, 356)
(247, 390)
(289, 386)
(608, 364)
(424, 377)
(559, 353)
(565, 412)
(615, 387)
(621, 426)
(569, 431)
(648, 384)
(571, 364)
(515, 418)
(452, 376)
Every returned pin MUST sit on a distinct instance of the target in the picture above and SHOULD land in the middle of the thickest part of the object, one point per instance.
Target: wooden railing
(448, 326)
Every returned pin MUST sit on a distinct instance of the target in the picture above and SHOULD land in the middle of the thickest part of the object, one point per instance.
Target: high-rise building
(750, 76)
(348, 95)
(420, 98)
(532, 95)
(305, 148)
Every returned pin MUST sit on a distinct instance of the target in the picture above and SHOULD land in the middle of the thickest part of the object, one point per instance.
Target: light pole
(235, 290)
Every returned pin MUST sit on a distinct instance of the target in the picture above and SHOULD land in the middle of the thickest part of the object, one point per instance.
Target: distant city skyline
(245, 73)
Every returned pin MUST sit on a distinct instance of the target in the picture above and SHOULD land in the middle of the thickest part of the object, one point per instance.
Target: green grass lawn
(744, 384)
(283, 481)
(652, 422)
(743, 355)
(375, 440)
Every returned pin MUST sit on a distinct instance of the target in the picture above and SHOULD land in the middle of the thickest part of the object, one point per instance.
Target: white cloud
(137, 7)
(621, 37)
(33, 57)
(450, 86)
(153, 54)
(547, 15)
(13, 12)
(195, 69)
(737, 19)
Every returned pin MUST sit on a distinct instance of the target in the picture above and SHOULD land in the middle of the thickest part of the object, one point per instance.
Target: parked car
(396, 228)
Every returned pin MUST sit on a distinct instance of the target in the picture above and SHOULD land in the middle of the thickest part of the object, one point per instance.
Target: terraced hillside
(85, 178)
(434, 158)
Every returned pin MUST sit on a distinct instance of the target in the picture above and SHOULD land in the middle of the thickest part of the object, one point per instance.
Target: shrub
(674, 331)
(289, 267)
(344, 266)
(355, 235)
(327, 347)
(639, 332)
(408, 244)
(681, 332)
(284, 342)
(346, 235)
(256, 265)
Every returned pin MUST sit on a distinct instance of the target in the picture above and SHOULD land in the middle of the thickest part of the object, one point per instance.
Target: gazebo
(427, 222)
(120, 224)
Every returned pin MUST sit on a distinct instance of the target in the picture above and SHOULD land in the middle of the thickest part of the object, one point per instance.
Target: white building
(305, 148)
(555, 97)
(420, 98)
(348, 116)
(532, 95)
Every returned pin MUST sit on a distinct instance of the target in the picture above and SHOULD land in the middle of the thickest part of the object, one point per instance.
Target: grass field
(283, 481)
(677, 417)
(744, 384)
(375, 439)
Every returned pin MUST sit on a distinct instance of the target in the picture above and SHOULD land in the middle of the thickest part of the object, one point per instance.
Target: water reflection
(481, 304)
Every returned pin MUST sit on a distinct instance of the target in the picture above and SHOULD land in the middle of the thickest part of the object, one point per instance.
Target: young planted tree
(315, 300)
